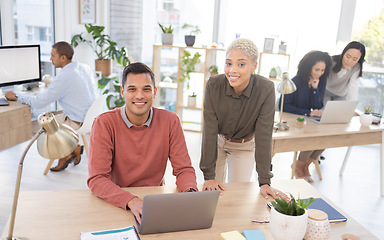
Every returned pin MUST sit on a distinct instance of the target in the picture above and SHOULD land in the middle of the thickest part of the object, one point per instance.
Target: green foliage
(214, 69)
(166, 29)
(373, 40)
(367, 110)
(193, 29)
(300, 119)
(293, 207)
(188, 65)
(282, 43)
(102, 45)
(114, 98)
(193, 94)
(105, 48)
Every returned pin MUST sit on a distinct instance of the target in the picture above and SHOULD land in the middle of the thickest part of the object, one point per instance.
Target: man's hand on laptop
(11, 96)
(316, 112)
(136, 206)
(213, 184)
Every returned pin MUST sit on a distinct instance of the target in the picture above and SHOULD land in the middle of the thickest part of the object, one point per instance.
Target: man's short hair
(64, 48)
(137, 68)
(247, 46)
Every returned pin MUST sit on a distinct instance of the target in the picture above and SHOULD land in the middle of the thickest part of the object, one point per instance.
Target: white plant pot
(287, 227)
(191, 101)
(167, 38)
(366, 120)
(282, 48)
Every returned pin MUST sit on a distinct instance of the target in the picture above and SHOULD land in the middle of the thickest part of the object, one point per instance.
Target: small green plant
(193, 29)
(214, 69)
(367, 110)
(188, 65)
(282, 43)
(300, 119)
(166, 29)
(293, 207)
(193, 94)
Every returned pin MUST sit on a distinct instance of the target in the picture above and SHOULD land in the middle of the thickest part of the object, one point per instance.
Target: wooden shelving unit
(269, 60)
(173, 95)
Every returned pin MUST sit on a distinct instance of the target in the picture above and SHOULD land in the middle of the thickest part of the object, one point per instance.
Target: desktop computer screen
(19, 64)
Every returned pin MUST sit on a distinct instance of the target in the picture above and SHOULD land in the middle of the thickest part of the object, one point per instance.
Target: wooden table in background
(321, 136)
(64, 214)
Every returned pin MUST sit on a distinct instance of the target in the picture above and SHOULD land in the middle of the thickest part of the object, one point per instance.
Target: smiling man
(130, 146)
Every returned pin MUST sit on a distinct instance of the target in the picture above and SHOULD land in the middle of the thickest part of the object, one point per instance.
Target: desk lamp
(53, 141)
(286, 86)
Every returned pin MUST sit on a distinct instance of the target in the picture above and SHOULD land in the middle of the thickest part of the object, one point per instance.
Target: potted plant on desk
(366, 118)
(289, 219)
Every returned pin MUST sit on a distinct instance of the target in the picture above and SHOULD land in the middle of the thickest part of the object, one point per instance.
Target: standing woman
(238, 122)
(347, 68)
(310, 81)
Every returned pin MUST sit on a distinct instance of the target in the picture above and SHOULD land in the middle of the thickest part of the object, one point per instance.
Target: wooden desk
(15, 124)
(64, 214)
(319, 136)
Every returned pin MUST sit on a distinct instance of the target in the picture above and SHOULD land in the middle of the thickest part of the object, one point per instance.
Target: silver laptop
(336, 112)
(178, 211)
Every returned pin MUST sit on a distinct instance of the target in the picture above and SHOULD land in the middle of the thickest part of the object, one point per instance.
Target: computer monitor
(20, 64)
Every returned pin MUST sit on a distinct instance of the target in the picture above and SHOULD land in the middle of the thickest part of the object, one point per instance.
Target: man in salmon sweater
(130, 146)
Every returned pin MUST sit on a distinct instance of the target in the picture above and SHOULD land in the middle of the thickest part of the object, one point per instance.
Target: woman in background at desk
(347, 68)
(310, 82)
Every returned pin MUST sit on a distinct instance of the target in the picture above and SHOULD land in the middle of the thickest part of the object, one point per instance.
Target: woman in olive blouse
(238, 122)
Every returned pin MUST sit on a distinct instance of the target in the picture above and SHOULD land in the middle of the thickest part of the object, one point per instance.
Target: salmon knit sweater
(120, 156)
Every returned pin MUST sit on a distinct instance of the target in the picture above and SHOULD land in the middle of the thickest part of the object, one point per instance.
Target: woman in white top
(347, 68)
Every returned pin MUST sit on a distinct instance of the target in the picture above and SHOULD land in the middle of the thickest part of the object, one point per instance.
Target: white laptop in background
(178, 211)
(336, 112)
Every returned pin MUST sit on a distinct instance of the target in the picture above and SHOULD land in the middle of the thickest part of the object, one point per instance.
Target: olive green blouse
(226, 113)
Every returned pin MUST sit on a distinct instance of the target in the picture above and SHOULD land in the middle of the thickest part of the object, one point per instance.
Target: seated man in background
(130, 146)
(73, 88)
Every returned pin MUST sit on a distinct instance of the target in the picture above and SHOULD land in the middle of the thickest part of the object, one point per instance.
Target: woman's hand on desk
(268, 190)
(210, 185)
(136, 206)
(315, 113)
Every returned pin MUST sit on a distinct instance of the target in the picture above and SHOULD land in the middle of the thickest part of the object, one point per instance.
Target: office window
(33, 24)
(369, 15)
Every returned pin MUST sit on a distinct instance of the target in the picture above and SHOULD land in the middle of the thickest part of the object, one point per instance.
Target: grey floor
(357, 192)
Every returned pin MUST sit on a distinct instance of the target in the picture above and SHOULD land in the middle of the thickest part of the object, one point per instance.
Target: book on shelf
(334, 216)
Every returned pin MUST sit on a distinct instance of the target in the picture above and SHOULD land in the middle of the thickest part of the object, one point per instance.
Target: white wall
(67, 25)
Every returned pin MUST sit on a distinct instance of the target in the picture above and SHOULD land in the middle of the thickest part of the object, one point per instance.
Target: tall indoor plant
(105, 49)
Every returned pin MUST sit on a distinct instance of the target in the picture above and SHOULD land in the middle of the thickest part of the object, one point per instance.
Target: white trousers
(238, 159)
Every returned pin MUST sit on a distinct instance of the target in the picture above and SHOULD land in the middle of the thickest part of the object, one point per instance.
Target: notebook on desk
(3, 101)
(336, 112)
(178, 211)
(333, 215)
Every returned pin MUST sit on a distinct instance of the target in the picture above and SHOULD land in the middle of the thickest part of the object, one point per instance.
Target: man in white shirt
(73, 88)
